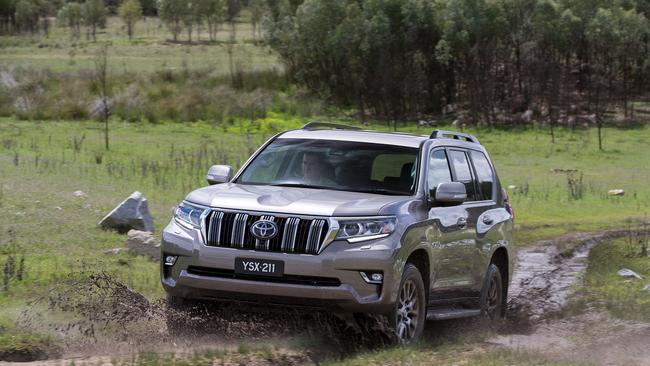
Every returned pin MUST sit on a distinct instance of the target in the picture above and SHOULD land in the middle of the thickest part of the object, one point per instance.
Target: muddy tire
(409, 313)
(492, 295)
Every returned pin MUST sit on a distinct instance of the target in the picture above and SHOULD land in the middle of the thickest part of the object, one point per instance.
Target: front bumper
(339, 260)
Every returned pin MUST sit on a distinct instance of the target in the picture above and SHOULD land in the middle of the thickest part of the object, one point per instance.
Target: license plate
(264, 267)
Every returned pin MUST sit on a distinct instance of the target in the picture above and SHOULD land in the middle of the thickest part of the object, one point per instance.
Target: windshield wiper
(299, 185)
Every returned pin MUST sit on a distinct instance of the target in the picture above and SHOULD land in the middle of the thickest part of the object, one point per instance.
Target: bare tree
(102, 87)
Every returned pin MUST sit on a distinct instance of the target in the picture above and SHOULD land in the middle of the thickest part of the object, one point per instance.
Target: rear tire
(492, 295)
(409, 313)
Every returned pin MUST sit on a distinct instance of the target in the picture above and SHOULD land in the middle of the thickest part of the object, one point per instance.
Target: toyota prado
(330, 216)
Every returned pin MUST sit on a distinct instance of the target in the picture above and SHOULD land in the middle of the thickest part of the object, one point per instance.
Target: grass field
(43, 163)
(150, 50)
(604, 289)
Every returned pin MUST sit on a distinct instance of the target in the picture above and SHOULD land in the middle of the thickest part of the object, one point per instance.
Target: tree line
(33, 16)
(493, 61)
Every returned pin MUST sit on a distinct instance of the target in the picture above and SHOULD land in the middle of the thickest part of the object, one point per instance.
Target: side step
(451, 313)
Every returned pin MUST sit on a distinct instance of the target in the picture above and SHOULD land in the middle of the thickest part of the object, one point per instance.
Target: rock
(448, 109)
(512, 186)
(132, 213)
(114, 251)
(628, 273)
(527, 116)
(646, 288)
(7, 80)
(616, 192)
(80, 194)
(143, 243)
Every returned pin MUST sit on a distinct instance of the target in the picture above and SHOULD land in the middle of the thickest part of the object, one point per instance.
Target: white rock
(132, 213)
(80, 194)
(646, 288)
(628, 273)
(512, 186)
(143, 243)
(616, 192)
(114, 251)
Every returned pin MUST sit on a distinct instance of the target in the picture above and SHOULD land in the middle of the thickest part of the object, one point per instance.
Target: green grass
(605, 289)
(150, 50)
(56, 232)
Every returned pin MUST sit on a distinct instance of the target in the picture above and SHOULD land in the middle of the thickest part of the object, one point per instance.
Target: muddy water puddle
(545, 276)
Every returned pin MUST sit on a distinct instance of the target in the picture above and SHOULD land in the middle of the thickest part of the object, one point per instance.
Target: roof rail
(334, 126)
(441, 134)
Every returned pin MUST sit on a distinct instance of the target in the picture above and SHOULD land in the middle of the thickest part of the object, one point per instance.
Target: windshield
(339, 165)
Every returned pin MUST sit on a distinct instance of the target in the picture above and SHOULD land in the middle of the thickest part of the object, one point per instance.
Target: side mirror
(451, 193)
(219, 174)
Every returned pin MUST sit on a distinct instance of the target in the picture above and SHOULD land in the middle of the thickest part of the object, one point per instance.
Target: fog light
(372, 277)
(170, 260)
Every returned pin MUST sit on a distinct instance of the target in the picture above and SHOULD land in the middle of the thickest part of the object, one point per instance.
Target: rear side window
(463, 172)
(484, 174)
(438, 170)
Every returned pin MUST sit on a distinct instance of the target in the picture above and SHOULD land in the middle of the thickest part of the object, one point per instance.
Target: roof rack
(334, 126)
(441, 134)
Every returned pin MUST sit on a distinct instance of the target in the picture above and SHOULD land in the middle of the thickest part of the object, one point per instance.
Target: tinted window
(438, 170)
(396, 171)
(338, 165)
(484, 174)
(463, 173)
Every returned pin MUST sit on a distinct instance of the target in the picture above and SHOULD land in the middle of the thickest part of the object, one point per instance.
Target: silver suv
(411, 227)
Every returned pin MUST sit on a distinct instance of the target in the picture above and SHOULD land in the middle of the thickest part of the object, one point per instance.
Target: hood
(289, 200)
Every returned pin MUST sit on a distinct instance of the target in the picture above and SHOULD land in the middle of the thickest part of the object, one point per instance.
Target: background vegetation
(191, 84)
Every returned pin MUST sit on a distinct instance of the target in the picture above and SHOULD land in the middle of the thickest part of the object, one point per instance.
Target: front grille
(290, 279)
(295, 234)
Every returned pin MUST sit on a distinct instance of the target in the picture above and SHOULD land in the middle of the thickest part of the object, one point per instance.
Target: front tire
(492, 296)
(409, 313)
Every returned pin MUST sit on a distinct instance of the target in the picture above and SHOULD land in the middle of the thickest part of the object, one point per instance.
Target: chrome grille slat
(315, 232)
(214, 230)
(296, 234)
(239, 230)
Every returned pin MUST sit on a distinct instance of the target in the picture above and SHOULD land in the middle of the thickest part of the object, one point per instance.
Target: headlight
(189, 215)
(355, 231)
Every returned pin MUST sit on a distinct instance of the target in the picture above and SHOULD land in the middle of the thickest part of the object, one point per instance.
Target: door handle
(487, 220)
(462, 222)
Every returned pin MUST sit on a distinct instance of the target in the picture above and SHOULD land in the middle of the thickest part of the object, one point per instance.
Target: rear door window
(484, 174)
(463, 172)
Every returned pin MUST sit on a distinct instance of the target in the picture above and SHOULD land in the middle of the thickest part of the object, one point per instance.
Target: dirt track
(113, 320)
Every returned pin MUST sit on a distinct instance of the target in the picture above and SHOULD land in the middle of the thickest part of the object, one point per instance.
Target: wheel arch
(419, 257)
(501, 259)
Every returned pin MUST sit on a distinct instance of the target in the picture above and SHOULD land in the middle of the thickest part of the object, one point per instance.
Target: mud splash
(95, 314)
(546, 273)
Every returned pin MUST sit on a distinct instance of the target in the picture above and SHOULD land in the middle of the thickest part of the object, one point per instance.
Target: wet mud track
(546, 272)
(106, 317)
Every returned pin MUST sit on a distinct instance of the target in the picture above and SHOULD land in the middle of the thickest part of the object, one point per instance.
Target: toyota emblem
(264, 229)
